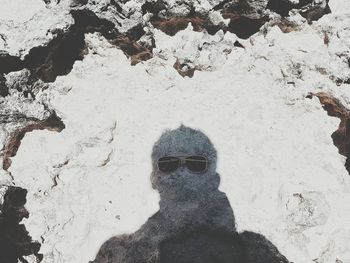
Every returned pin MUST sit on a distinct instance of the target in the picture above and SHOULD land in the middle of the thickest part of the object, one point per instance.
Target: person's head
(184, 180)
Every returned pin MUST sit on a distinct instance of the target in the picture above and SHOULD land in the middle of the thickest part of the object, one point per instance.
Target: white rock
(91, 181)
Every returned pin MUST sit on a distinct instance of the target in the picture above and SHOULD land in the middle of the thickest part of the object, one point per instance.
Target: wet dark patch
(58, 56)
(239, 24)
(316, 14)
(4, 91)
(135, 33)
(86, 21)
(225, 4)
(76, 3)
(153, 7)
(282, 7)
(116, 5)
(341, 137)
(15, 241)
(307, 10)
(9, 63)
(52, 123)
(245, 27)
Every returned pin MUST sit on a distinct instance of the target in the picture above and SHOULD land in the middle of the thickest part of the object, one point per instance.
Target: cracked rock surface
(86, 87)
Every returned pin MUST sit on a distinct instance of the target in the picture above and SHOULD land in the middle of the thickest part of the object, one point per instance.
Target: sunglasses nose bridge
(182, 161)
(181, 164)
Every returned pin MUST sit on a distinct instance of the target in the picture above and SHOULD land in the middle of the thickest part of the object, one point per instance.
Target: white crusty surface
(278, 165)
(27, 24)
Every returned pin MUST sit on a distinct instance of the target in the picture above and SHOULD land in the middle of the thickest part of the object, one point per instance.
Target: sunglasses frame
(182, 159)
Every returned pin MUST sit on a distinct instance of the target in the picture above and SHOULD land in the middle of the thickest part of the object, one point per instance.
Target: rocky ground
(87, 87)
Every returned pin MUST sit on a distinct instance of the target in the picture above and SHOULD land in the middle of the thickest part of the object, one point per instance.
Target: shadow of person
(195, 222)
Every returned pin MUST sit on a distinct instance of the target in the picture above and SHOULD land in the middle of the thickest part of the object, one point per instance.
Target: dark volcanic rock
(242, 24)
(4, 91)
(15, 241)
(9, 63)
(308, 8)
(57, 57)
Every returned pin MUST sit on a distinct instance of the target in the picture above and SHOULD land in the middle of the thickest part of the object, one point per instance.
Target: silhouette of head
(183, 183)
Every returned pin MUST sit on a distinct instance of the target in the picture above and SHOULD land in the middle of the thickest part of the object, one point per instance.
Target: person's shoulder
(260, 250)
(113, 250)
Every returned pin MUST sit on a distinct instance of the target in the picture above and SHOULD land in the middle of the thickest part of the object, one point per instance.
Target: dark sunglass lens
(197, 163)
(168, 164)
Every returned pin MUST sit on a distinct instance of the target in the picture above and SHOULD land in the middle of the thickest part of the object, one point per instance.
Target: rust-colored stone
(287, 26)
(184, 69)
(173, 25)
(52, 123)
(341, 137)
(133, 50)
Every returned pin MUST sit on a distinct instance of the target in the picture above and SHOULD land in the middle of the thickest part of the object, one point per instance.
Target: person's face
(182, 181)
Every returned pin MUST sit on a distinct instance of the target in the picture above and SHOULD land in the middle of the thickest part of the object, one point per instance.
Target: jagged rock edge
(340, 137)
(15, 241)
(55, 59)
(52, 123)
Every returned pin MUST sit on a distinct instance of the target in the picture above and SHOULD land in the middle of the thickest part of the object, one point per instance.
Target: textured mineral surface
(87, 87)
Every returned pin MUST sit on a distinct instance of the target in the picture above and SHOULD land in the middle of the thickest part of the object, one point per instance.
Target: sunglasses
(194, 163)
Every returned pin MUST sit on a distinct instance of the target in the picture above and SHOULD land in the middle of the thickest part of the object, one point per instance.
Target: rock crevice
(15, 241)
(341, 137)
(52, 123)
